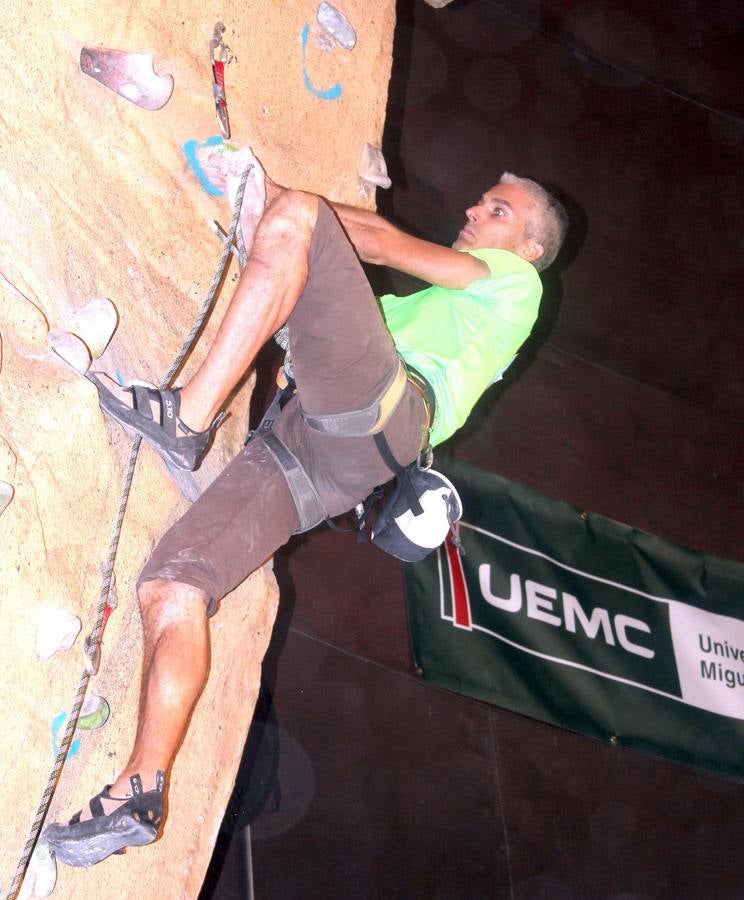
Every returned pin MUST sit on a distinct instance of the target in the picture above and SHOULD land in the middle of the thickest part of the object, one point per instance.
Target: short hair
(546, 220)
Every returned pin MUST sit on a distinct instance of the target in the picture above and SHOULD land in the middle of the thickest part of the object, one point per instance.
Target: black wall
(628, 402)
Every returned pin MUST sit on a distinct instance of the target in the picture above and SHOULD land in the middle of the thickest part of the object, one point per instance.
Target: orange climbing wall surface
(97, 198)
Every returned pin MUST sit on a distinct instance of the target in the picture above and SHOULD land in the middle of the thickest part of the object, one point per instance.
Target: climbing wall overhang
(99, 199)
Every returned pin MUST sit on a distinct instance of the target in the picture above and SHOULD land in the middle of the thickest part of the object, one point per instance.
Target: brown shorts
(343, 358)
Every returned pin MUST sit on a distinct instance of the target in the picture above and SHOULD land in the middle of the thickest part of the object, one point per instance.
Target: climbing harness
(358, 423)
(107, 596)
(310, 508)
(424, 505)
(363, 422)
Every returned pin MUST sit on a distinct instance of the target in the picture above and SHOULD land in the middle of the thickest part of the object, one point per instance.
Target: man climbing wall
(371, 393)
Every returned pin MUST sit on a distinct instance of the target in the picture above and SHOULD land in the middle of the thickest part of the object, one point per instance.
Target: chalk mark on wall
(189, 151)
(57, 722)
(332, 93)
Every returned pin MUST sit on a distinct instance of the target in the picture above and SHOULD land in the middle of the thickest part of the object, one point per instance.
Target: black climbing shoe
(170, 437)
(132, 824)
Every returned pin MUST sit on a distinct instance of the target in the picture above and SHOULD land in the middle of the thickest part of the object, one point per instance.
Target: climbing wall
(102, 198)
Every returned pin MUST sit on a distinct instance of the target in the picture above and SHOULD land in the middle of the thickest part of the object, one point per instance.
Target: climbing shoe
(169, 436)
(132, 824)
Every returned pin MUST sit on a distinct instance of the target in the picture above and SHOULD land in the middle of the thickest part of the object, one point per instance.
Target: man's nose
(472, 213)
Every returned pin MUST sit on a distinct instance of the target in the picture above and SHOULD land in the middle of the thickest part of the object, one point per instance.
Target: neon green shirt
(462, 341)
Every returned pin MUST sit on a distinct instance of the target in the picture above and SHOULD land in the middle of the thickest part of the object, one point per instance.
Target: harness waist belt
(362, 422)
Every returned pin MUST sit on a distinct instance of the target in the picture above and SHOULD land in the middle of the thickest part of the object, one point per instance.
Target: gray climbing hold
(41, 874)
(71, 349)
(6, 495)
(56, 630)
(337, 25)
(95, 324)
(87, 334)
(372, 167)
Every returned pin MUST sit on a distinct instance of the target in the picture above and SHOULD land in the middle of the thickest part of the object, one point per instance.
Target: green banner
(584, 623)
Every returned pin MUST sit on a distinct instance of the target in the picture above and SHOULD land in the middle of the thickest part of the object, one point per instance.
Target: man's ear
(531, 250)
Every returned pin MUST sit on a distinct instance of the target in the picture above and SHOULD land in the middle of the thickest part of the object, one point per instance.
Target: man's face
(496, 221)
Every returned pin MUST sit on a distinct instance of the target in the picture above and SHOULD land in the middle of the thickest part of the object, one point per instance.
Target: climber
(374, 385)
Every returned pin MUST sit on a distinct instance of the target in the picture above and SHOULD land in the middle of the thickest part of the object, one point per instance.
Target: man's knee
(163, 602)
(292, 211)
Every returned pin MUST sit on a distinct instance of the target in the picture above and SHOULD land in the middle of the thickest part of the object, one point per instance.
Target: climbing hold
(71, 349)
(56, 630)
(41, 874)
(95, 324)
(372, 167)
(130, 75)
(337, 25)
(87, 334)
(6, 495)
(94, 713)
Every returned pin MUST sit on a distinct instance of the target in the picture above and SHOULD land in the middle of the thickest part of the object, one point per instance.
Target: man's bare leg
(266, 294)
(267, 291)
(176, 634)
(176, 639)
(175, 663)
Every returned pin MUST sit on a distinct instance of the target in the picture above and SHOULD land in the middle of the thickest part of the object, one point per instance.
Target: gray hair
(546, 220)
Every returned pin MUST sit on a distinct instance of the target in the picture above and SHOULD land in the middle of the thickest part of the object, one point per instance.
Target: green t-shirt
(462, 341)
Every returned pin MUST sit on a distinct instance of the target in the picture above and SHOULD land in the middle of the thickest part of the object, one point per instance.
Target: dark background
(361, 781)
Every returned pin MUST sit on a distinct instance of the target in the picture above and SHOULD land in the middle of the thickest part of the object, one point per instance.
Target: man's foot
(224, 170)
(154, 415)
(109, 824)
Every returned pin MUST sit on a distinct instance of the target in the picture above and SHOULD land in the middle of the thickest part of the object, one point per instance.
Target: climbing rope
(93, 642)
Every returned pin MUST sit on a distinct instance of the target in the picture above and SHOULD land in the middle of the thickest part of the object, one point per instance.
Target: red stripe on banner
(460, 596)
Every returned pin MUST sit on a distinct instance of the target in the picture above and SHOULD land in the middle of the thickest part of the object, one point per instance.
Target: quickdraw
(218, 55)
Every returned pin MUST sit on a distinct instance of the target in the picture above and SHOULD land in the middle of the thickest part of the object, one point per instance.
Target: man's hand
(225, 171)
(377, 241)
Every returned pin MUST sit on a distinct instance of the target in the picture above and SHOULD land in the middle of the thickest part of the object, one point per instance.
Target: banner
(584, 623)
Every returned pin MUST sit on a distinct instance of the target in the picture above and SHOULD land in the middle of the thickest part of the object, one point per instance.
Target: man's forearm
(366, 230)
(377, 241)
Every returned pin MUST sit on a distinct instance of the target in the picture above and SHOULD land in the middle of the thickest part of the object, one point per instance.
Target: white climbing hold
(6, 495)
(372, 167)
(95, 324)
(56, 630)
(71, 349)
(337, 25)
(41, 874)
